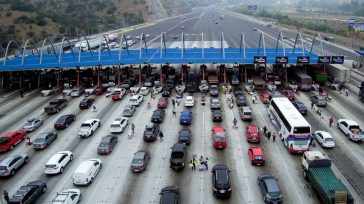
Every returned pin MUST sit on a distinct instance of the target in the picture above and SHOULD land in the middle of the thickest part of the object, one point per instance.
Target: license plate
(220, 146)
(222, 191)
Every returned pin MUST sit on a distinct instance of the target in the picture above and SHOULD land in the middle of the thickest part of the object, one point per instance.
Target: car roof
(349, 122)
(253, 127)
(106, 138)
(257, 150)
(178, 147)
(186, 112)
(89, 120)
(43, 134)
(9, 158)
(324, 134)
(139, 154)
(54, 159)
(271, 184)
(9, 134)
(220, 167)
(218, 129)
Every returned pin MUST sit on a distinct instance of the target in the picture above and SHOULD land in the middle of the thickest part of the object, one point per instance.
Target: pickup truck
(259, 83)
(178, 156)
(69, 196)
(351, 129)
(56, 105)
(88, 127)
(317, 169)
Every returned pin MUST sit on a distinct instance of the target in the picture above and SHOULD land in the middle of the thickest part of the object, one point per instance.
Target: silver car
(10, 164)
(128, 111)
(32, 124)
(77, 92)
(43, 140)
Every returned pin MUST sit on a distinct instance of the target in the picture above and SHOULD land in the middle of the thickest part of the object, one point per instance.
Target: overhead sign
(303, 60)
(337, 59)
(282, 60)
(260, 59)
(324, 59)
(252, 7)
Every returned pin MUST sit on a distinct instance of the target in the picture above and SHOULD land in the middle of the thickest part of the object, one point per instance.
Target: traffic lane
(16, 101)
(82, 148)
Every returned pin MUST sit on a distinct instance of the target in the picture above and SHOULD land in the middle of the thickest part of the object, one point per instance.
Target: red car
(100, 90)
(163, 103)
(252, 133)
(219, 138)
(289, 94)
(8, 141)
(265, 97)
(256, 155)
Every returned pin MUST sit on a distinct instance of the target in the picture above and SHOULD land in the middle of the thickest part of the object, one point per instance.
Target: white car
(136, 100)
(119, 125)
(88, 127)
(189, 101)
(86, 172)
(324, 139)
(144, 91)
(58, 162)
(68, 196)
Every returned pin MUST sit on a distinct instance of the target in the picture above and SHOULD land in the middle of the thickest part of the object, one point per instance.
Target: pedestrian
(268, 135)
(234, 122)
(194, 162)
(94, 106)
(331, 120)
(21, 93)
(346, 91)
(132, 127)
(205, 163)
(6, 196)
(274, 135)
(174, 112)
(173, 102)
(151, 95)
(312, 104)
(191, 164)
(265, 130)
(161, 136)
(178, 100)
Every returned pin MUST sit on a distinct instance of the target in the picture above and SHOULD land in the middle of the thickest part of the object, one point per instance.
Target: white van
(87, 171)
(189, 101)
(135, 100)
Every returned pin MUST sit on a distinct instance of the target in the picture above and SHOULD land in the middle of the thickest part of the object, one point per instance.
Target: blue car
(186, 117)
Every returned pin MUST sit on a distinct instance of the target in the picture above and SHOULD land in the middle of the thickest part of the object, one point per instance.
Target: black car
(107, 144)
(178, 157)
(64, 121)
(158, 116)
(169, 82)
(167, 90)
(29, 193)
(151, 132)
(240, 100)
(140, 161)
(169, 195)
(300, 107)
(86, 103)
(237, 91)
(270, 189)
(216, 115)
(214, 90)
(221, 181)
(234, 80)
(184, 136)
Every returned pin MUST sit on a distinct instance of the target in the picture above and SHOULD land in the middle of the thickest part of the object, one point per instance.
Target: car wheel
(61, 170)
(99, 124)
(26, 160)
(74, 118)
(44, 189)
(264, 199)
(11, 147)
(92, 180)
(12, 173)
(100, 166)
(347, 135)
(71, 157)
(67, 125)
(92, 132)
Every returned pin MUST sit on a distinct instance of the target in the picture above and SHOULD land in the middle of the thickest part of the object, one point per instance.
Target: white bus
(291, 126)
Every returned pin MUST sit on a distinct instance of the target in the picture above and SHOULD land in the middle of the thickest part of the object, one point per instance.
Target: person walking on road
(274, 135)
(94, 106)
(268, 135)
(312, 104)
(234, 123)
(174, 112)
(161, 136)
(265, 130)
(6, 196)
(331, 120)
(346, 91)
(173, 102)
(132, 127)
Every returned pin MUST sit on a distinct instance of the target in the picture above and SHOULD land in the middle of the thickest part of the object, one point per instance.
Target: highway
(115, 183)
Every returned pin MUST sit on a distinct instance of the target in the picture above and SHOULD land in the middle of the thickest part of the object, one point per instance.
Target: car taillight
(229, 189)
(214, 189)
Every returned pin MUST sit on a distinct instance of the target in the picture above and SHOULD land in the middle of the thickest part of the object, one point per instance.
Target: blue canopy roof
(360, 52)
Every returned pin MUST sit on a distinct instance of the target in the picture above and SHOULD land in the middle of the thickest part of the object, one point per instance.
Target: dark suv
(178, 156)
(270, 189)
(169, 195)
(158, 116)
(29, 193)
(221, 181)
(185, 136)
(151, 132)
(86, 103)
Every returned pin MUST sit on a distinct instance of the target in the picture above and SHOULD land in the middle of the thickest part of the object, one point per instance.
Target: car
(351, 129)
(151, 132)
(57, 163)
(43, 140)
(56, 105)
(275, 94)
(144, 91)
(140, 161)
(255, 29)
(216, 115)
(86, 172)
(216, 22)
(158, 116)
(129, 111)
(86, 103)
(221, 186)
(118, 94)
(88, 127)
(265, 97)
(270, 189)
(300, 107)
(178, 156)
(89, 92)
(107, 144)
(136, 100)
(215, 103)
(245, 113)
(289, 94)
(214, 90)
(32, 124)
(237, 91)
(184, 136)
(319, 100)
(234, 80)
(240, 100)
(99, 90)
(119, 124)
(126, 84)
(10, 139)
(68, 196)
(252, 133)
(148, 82)
(256, 155)
(189, 101)
(163, 103)
(77, 92)
(170, 195)
(12, 163)
(324, 139)
(219, 138)
(186, 117)
(167, 90)
(29, 193)
(64, 121)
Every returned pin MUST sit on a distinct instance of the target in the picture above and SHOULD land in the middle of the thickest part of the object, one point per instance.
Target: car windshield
(4, 140)
(177, 154)
(221, 177)
(28, 124)
(219, 137)
(39, 140)
(329, 139)
(137, 161)
(133, 100)
(258, 158)
(103, 144)
(115, 125)
(247, 113)
(61, 120)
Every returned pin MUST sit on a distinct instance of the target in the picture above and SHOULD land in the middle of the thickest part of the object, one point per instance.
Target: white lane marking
(202, 178)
